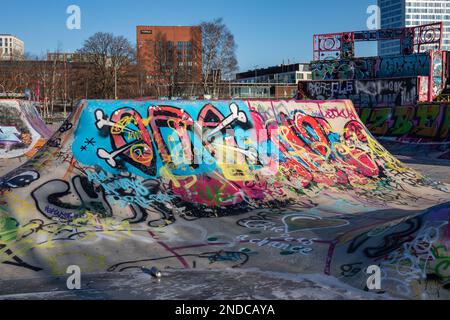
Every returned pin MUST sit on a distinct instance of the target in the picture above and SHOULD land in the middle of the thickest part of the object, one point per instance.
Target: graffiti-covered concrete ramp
(22, 131)
(296, 187)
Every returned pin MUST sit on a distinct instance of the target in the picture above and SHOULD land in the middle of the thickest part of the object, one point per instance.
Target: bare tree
(109, 55)
(219, 53)
(164, 65)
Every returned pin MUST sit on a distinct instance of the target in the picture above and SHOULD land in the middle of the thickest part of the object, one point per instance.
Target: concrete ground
(433, 168)
(6, 165)
(187, 285)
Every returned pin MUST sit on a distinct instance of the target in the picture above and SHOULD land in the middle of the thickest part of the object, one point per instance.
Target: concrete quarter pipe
(22, 131)
(282, 186)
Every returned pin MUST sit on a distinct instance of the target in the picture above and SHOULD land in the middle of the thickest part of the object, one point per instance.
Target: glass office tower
(409, 13)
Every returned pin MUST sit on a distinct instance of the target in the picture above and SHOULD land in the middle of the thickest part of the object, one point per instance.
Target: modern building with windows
(170, 51)
(411, 13)
(68, 57)
(284, 73)
(11, 47)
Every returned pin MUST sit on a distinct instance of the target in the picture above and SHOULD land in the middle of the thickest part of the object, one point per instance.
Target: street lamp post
(115, 82)
(115, 72)
(256, 73)
(256, 77)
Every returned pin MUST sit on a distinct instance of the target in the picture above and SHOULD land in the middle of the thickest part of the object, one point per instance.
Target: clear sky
(267, 31)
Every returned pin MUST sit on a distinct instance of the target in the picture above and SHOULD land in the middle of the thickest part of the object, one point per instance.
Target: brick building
(170, 54)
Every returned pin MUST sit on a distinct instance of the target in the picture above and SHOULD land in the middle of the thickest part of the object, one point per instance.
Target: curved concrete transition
(22, 131)
(292, 187)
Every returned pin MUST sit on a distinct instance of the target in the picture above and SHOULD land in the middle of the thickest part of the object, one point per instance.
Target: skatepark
(236, 198)
(298, 188)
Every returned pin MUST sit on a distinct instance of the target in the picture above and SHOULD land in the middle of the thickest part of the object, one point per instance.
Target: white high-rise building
(410, 13)
(11, 47)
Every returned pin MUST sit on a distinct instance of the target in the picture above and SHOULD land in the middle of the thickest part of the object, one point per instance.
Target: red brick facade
(167, 51)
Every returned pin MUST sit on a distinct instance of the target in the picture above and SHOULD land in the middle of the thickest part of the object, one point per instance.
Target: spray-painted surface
(379, 81)
(425, 123)
(369, 68)
(363, 93)
(22, 131)
(412, 40)
(438, 76)
(284, 186)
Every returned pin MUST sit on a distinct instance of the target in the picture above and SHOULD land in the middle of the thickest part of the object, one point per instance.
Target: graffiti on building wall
(364, 93)
(437, 73)
(423, 88)
(343, 69)
(423, 121)
(372, 67)
(403, 66)
(410, 39)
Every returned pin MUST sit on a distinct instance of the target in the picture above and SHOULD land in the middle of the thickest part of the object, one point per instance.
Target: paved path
(189, 285)
(433, 168)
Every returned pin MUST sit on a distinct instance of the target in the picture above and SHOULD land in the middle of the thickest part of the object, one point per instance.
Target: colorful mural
(412, 40)
(370, 68)
(424, 122)
(22, 131)
(363, 93)
(285, 186)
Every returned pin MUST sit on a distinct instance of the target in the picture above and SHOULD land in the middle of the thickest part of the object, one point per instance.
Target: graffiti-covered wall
(438, 73)
(363, 93)
(428, 122)
(428, 71)
(372, 67)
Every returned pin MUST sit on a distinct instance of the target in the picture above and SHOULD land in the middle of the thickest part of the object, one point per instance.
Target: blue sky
(267, 31)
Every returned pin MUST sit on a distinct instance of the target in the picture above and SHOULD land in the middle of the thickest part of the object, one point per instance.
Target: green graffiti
(421, 121)
(403, 121)
(378, 122)
(8, 229)
(364, 114)
(427, 117)
(445, 126)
